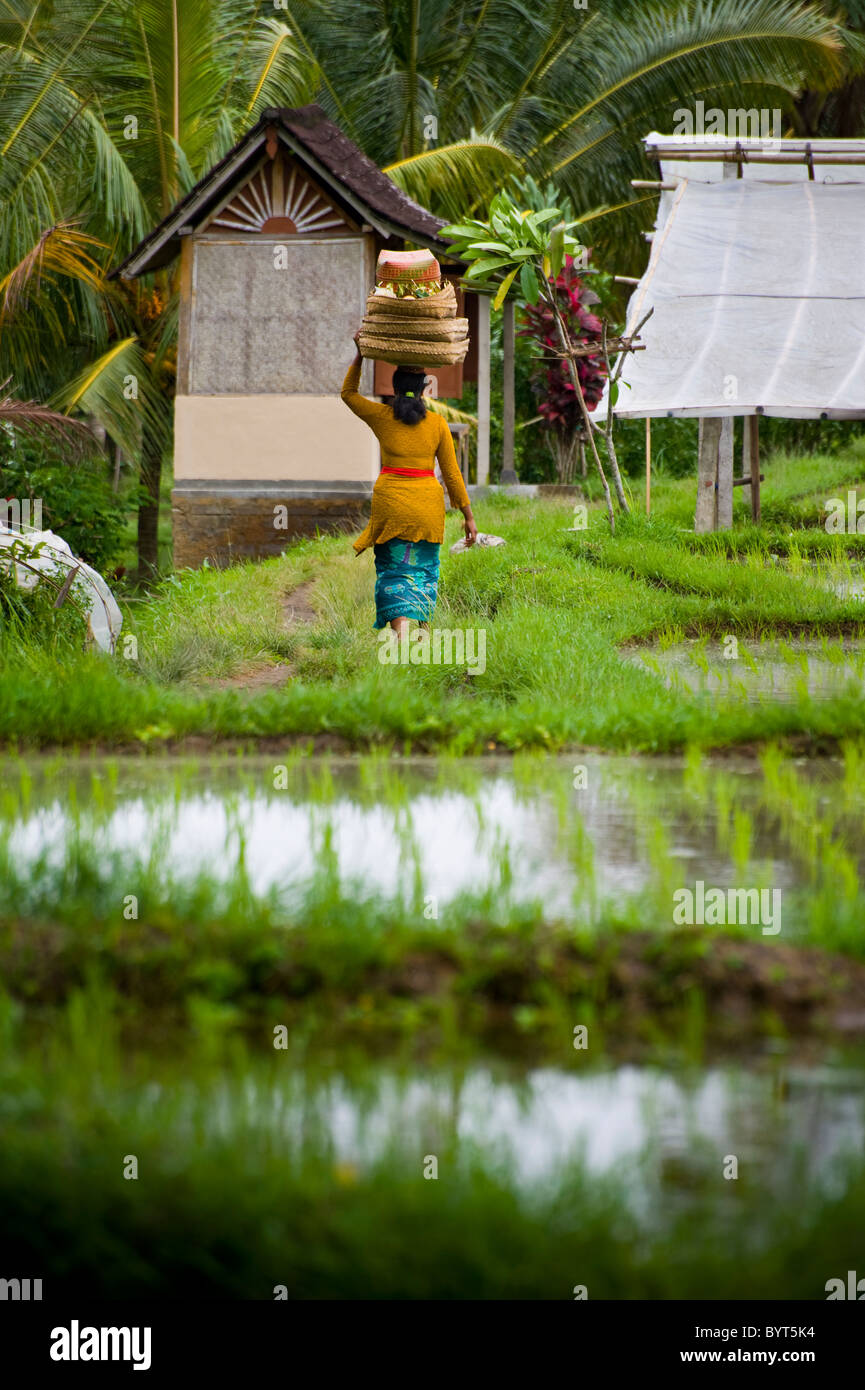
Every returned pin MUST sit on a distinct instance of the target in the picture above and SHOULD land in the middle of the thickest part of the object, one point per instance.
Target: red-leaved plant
(551, 379)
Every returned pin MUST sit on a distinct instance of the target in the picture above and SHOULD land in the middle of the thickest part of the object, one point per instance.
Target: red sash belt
(411, 472)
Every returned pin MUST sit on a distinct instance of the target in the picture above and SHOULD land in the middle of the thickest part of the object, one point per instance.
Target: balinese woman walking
(407, 521)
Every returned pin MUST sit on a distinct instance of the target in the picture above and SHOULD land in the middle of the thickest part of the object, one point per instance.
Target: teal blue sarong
(407, 576)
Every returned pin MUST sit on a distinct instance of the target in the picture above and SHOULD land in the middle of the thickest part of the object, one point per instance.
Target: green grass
(556, 610)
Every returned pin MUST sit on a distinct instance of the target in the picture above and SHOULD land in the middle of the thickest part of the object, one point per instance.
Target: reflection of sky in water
(457, 839)
(604, 1117)
(770, 678)
(850, 588)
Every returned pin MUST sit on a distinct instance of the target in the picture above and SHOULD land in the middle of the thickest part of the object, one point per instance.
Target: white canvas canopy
(757, 285)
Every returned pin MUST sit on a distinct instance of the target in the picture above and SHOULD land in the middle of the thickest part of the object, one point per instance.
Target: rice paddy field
(330, 978)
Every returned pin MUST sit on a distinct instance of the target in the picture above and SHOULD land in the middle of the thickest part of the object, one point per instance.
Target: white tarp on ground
(758, 291)
(31, 554)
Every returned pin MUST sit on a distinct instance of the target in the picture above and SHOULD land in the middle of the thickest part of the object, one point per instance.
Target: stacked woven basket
(411, 315)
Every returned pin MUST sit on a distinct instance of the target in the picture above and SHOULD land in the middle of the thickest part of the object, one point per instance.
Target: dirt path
(296, 606)
(256, 676)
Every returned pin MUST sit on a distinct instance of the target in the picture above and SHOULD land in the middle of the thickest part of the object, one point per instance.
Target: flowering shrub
(551, 380)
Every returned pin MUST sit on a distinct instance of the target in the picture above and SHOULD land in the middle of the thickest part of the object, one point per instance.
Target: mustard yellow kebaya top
(409, 509)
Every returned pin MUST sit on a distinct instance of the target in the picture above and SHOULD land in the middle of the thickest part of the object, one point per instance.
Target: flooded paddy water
(767, 671)
(566, 1136)
(572, 840)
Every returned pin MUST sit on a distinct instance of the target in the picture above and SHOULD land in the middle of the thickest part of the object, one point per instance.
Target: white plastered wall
(290, 438)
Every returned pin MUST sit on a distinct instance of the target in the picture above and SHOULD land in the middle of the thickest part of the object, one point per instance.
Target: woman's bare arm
(446, 455)
(360, 405)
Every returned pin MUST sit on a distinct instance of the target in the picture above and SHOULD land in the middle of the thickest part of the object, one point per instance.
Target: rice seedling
(252, 1187)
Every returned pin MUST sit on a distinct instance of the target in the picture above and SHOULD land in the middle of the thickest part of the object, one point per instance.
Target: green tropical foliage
(567, 93)
(109, 112)
(534, 246)
(78, 503)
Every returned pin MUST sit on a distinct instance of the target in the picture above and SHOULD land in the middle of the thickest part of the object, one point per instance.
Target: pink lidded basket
(404, 267)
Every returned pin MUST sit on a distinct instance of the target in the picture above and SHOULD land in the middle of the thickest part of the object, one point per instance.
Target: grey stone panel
(257, 329)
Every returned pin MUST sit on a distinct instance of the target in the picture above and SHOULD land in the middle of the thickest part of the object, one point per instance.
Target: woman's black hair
(408, 404)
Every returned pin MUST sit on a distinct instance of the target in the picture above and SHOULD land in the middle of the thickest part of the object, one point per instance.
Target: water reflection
(637, 823)
(773, 1119)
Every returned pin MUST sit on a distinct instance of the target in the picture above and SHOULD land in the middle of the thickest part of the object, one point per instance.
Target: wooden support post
(66, 586)
(714, 510)
(278, 189)
(706, 512)
(724, 509)
(648, 465)
(483, 389)
(753, 425)
(508, 474)
(184, 315)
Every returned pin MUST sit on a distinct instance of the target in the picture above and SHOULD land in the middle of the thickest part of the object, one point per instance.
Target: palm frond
(450, 412)
(40, 422)
(451, 177)
(119, 391)
(62, 250)
(282, 73)
(664, 53)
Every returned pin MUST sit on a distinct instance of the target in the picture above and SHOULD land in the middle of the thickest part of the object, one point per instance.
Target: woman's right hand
(471, 529)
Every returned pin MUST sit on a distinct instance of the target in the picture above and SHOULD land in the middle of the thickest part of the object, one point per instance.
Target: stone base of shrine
(222, 522)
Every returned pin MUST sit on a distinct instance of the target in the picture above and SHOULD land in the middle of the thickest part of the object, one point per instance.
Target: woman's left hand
(471, 530)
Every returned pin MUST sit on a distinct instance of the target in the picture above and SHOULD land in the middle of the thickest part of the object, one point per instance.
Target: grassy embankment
(557, 609)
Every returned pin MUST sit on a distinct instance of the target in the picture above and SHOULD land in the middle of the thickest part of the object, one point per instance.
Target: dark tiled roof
(306, 130)
(355, 170)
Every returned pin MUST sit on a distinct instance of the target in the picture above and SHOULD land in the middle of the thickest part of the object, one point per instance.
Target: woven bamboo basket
(424, 330)
(411, 352)
(434, 306)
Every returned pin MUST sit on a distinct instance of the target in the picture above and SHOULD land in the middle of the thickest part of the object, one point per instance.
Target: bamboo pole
(508, 475)
(483, 447)
(754, 427)
(648, 465)
(725, 155)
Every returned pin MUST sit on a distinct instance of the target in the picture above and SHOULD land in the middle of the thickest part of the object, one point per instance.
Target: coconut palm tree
(448, 94)
(839, 112)
(109, 112)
